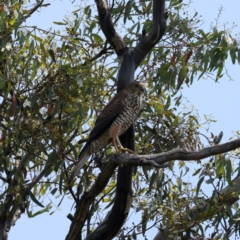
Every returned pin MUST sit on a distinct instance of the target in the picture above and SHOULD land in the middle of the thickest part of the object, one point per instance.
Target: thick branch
(6, 223)
(123, 200)
(147, 42)
(108, 29)
(178, 154)
(85, 201)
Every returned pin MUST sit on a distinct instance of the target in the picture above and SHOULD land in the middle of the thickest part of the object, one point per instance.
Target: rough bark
(148, 41)
(7, 222)
(86, 199)
(158, 159)
(105, 21)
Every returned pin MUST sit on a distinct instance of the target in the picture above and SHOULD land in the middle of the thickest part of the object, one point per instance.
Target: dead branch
(177, 154)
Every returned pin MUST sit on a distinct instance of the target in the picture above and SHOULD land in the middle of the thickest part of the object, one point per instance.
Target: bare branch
(136, 160)
(35, 8)
(3, 178)
(37, 179)
(108, 29)
(103, 51)
(177, 154)
(147, 42)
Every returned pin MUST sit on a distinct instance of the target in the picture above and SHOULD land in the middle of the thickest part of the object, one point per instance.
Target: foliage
(54, 83)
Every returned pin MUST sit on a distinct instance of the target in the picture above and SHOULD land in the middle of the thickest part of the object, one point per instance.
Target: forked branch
(108, 29)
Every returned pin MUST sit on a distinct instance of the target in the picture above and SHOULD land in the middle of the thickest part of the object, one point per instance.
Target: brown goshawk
(113, 120)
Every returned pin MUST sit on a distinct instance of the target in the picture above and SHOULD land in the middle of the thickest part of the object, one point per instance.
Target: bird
(116, 117)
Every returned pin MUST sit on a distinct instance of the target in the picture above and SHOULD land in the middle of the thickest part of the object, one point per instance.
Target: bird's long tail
(83, 157)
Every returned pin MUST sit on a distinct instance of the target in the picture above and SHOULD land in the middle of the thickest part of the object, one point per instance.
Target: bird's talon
(124, 150)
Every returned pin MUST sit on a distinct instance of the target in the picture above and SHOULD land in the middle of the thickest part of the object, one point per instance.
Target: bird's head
(137, 87)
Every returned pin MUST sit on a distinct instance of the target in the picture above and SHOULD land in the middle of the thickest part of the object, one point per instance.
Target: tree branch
(147, 42)
(7, 221)
(207, 206)
(86, 200)
(177, 154)
(108, 29)
(35, 8)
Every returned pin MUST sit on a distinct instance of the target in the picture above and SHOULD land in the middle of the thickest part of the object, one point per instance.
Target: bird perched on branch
(117, 116)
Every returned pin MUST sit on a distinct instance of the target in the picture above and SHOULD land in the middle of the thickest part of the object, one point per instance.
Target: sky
(217, 99)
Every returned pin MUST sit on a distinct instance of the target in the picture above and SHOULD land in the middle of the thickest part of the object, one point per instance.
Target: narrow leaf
(127, 11)
(52, 55)
(199, 184)
(35, 200)
(59, 23)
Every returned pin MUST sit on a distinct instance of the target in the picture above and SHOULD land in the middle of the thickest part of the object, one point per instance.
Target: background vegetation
(52, 86)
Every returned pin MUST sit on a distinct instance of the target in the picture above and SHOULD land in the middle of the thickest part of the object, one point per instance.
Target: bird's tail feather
(81, 161)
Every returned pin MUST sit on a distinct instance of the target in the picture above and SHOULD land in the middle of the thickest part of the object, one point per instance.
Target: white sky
(219, 99)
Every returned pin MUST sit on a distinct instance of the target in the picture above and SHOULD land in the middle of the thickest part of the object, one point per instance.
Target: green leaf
(60, 201)
(183, 28)
(153, 180)
(202, 33)
(199, 184)
(168, 103)
(73, 150)
(88, 11)
(136, 8)
(59, 23)
(233, 55)
(127, 11)
(54, 191)
(34, 199)
(175, 3)
(106, 199)
(52, 55)
(97, 38)
(220, 163)
(46, 209)
(219, 75)
(196, 44)
(239, 56)
(149, 7)
(183, 73)
(229, 172)
(1, 83)
(210, 181)
(117, 9)
(144, 220)
(197, 171)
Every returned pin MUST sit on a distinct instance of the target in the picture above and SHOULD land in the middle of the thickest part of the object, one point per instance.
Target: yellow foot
(123, 150)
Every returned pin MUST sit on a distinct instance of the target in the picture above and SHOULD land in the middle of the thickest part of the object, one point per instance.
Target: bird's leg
(121, 149)
(115, 145)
